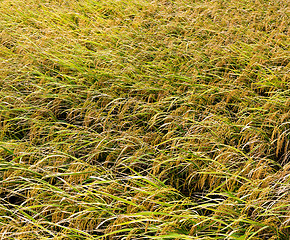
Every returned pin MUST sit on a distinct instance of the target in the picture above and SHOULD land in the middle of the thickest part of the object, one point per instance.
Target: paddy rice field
(144, 119)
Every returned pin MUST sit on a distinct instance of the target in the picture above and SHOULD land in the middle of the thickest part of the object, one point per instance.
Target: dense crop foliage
(137, 119)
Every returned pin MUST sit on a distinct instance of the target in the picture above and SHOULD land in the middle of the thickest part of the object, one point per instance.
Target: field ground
(138, 119)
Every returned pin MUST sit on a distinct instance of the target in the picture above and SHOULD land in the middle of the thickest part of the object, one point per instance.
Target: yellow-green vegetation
(138, 119)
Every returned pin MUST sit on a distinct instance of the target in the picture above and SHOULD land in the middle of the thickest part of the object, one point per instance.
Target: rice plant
(144, 119)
